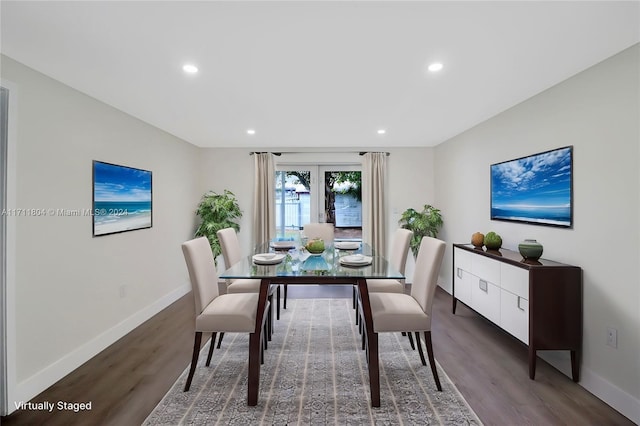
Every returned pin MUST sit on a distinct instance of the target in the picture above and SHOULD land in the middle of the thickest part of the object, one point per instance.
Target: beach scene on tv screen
(534, 189)
(122, 199)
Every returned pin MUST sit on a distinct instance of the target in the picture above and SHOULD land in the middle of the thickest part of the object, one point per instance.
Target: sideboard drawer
(485, 268)
(463, 259)
(486, 298)
(514, 315)
(515, 280)
(463, 281)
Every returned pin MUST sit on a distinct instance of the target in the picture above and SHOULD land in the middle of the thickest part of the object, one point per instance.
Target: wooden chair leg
(278, 303)
(419, 344)
(285, 297)
(413, 347)
(272, 305)
(211, 346)
(263, 347)
(194, 359)
(354, 297)
(432, 361)
(220, 339)
(269, 323)
(265, 340)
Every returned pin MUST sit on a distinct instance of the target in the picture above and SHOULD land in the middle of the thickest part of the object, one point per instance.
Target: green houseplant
(217, 211)
(423, 223)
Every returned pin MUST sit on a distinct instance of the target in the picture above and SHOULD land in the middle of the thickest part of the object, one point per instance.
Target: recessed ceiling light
(382, 131)
(189, 68)
(251, 132)
(435, 67)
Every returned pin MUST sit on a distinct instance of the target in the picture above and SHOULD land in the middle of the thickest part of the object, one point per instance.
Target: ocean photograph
(535, 189)
(121, 198)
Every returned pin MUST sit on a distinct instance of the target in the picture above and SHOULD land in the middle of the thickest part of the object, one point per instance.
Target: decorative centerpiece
(530, 249)
(492, 241)
(477, 240)
(315, 246)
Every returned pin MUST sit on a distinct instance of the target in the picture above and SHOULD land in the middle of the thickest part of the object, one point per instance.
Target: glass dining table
(287, 263)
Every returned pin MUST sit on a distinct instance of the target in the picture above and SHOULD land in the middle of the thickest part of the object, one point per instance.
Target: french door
(318, 193)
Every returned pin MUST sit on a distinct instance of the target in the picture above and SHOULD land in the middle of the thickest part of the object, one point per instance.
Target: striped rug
(314, 373)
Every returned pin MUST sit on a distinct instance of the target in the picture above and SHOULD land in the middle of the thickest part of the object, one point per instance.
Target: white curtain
(264, 198)
(374, 217)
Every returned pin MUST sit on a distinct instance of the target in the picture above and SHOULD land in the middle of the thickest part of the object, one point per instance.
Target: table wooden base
(255, 340)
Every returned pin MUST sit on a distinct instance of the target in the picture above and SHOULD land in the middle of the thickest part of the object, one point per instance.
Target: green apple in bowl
(315, 246)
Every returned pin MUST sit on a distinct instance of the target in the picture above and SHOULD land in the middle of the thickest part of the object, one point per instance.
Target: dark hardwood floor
(127, 380)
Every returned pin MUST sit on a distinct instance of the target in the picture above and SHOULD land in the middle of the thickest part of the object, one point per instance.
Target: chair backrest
(400, 249)
(425, 276)
(230, 245)
(202, 271)
(323, 231)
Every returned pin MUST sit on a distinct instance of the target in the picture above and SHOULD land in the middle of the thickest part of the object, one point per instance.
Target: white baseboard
(46, 377)
(621, 401)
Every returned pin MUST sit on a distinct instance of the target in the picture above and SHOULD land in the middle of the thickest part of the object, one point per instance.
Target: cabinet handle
(483, 285)
(520, 307)
(459, 272)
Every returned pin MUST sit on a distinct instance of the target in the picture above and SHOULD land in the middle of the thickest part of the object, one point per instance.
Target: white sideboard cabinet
(538, 302)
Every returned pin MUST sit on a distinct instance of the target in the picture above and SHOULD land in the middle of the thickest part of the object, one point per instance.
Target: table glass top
(298, 262)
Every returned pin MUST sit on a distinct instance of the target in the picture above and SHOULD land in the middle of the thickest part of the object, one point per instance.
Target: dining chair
(397, 259)
(411, 313)
(232, 254)
(215, 312)
(324, 231)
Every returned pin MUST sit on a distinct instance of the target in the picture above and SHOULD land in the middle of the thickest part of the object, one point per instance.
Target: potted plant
(424, 223)
(217, 211)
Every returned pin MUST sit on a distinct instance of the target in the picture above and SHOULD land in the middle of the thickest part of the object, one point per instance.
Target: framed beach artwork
(122, 199)
(537, 189)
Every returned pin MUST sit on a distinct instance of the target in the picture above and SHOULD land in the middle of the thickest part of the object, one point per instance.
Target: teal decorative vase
(530, 249)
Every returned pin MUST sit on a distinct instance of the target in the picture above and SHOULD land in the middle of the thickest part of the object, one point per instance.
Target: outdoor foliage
(353, 187)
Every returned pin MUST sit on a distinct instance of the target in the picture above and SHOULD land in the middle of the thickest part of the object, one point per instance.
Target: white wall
(74, 294)
(597, 112)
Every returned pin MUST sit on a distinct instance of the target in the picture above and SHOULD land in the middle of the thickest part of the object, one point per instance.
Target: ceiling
(314, 74)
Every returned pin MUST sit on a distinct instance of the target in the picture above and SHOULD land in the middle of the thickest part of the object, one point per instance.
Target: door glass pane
(343, 202)
(293, 202)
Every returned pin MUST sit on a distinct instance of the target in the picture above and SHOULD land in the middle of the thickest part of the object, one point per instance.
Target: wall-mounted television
(537, 189)
(122, 199)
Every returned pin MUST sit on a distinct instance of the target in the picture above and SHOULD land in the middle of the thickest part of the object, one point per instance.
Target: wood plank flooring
(127, 380)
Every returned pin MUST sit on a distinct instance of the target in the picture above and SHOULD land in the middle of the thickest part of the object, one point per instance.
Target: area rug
(314, 372)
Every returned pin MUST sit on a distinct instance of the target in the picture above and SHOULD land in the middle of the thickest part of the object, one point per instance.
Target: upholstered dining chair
(324, 231)
(411, 313)
(215, 313)
(232, 254)
(397, 259)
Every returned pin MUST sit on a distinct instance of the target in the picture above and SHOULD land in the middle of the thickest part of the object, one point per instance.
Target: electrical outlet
(123, 291)
(612, 337)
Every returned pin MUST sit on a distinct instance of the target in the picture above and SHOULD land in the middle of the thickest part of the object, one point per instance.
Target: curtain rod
(314, 152)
